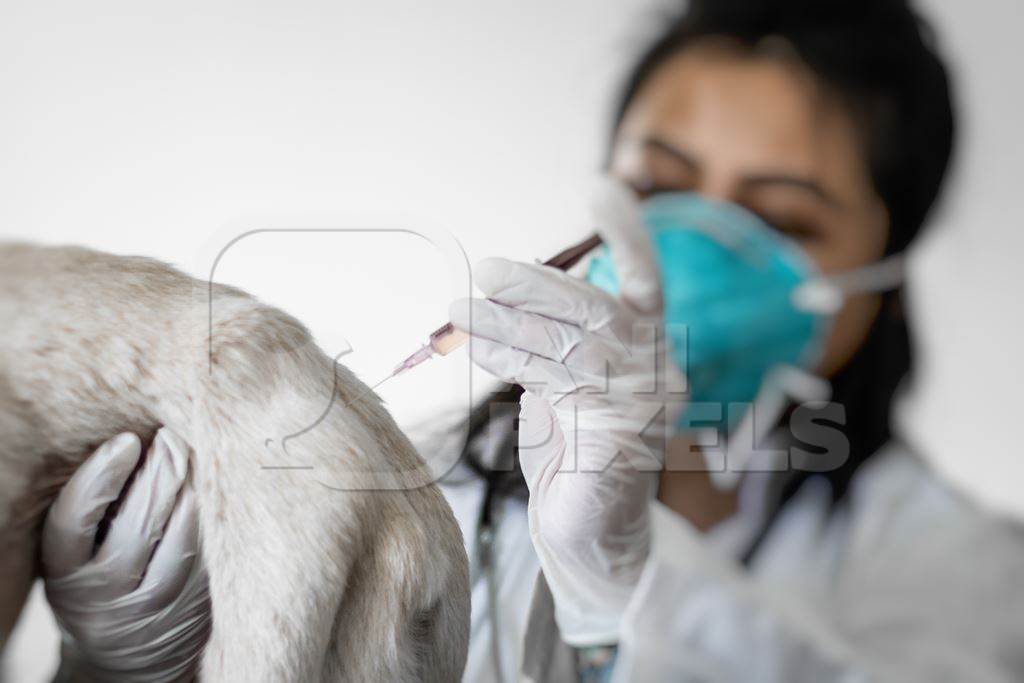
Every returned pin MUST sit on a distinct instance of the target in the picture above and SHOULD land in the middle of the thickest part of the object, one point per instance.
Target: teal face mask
(728, 280)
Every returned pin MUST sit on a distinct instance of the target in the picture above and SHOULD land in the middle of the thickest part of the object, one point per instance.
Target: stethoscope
(488, 521)
(486, 533)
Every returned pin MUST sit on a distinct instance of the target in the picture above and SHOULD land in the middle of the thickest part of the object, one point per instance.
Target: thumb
(541, 441)
(616, 214)
(70, 529)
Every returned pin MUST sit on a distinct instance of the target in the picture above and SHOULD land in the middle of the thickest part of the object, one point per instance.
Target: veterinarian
(746, 128)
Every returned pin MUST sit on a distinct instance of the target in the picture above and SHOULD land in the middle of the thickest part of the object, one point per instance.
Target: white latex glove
(137, 608)
(597, 377)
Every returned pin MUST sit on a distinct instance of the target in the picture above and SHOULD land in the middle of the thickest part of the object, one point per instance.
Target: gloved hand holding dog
(136, 607)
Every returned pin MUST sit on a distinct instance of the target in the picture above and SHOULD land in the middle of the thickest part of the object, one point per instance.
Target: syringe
(447, 338)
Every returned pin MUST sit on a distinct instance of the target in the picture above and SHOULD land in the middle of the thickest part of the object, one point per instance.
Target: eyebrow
(806, 184)
(674, 152)
(749, 182)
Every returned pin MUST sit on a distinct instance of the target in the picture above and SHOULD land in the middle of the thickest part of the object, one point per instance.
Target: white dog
(331, 557)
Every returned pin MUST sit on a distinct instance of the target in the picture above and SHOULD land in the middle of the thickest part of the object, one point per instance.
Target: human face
(763, 133)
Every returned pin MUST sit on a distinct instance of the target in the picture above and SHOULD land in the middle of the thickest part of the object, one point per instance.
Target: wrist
(73, 666)
(76, 667)
(589, 604)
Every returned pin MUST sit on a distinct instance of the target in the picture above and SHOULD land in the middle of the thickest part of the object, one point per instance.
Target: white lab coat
(908, 582)
(515, 573)
(514, 569)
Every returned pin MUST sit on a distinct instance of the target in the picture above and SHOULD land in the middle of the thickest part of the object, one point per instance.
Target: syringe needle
(423, 353)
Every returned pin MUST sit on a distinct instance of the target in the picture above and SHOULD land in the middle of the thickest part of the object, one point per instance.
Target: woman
(832, 122)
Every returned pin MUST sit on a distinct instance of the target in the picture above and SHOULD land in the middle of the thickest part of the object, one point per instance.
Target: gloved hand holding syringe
(447, 338)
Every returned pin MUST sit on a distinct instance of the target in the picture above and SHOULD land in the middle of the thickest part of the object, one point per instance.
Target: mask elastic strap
(826, 294)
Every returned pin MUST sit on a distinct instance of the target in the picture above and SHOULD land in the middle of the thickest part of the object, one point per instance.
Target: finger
(546, 291)
(70, 530)
(619, 221)
(174, 556)
(551, 339)
(537, 375)
(142, 518)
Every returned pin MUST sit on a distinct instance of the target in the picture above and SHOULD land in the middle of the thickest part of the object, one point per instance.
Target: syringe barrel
(447, 338)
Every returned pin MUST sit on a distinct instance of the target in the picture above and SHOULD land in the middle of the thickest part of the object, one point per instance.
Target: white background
(166, 129)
